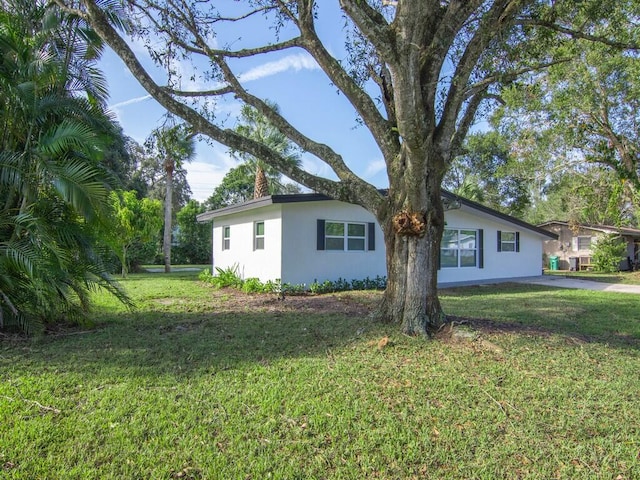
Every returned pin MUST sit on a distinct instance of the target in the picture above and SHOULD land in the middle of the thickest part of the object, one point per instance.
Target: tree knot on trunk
(409, 223)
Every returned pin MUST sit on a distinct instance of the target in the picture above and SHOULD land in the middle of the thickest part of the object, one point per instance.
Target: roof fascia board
(317, 197)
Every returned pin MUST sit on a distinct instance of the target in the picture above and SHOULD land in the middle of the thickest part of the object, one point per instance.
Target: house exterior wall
(262, 264)
(496, 264)
(291, 245)
(566, 246)
(302, 262)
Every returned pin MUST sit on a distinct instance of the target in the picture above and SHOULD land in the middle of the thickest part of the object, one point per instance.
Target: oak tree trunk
(413, 256)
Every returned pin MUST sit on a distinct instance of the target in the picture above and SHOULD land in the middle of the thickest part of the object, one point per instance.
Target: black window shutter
(517, 241)
(499, 241)
(481, 248)
(320, 234)
(371, 240)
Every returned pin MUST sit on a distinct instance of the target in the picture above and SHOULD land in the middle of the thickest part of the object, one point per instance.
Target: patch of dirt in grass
(491, 327)
(331, 303)
(461, 329)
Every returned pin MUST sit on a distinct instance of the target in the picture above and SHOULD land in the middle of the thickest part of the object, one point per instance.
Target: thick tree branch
(201, 125)
(382, 131)
(578, 34)
(322, 151)
(250, 52)
(373, 26)
(199, 93)
(495, 20)
(465, 122)
(442, 38)
(383, 80)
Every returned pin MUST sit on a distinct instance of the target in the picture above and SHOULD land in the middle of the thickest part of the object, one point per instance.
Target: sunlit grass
(628, 278)
(199, 383)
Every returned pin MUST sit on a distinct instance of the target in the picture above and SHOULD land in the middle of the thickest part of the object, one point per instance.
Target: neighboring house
(574, 245)
(300, 238)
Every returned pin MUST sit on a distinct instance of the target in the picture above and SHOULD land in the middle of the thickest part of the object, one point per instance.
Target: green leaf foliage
(608, 252)
(135, 220)
(53, 195)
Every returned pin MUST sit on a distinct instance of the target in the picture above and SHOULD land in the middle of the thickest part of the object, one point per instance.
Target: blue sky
(290, 78)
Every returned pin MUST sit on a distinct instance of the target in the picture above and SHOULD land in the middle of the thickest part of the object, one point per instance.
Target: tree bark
(125, 269)
(261, 184)
(411, 296)
(168, 204)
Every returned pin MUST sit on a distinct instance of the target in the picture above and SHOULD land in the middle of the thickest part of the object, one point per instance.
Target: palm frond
(11, 168)
(65, 136)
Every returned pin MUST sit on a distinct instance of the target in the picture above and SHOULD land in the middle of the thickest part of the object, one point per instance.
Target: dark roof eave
(261, 202)
(630, 231)
(496, 213)
(318, 197)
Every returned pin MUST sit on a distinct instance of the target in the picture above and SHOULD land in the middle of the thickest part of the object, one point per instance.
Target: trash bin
(553, 262)
(574, 264)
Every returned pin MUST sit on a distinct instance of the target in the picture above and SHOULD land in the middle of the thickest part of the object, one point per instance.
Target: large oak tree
(418, 74)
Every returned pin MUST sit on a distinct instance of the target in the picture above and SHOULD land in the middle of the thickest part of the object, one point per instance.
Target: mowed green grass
(199, 383)
(628, 278)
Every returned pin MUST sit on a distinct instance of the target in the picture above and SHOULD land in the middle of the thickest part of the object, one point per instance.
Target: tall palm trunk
(168, 204)
(261, 187)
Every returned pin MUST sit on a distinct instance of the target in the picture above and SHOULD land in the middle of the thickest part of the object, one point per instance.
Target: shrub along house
(300, 238)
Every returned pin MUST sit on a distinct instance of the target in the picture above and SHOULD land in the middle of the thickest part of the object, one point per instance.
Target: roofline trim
(318, 197)
(599, 228)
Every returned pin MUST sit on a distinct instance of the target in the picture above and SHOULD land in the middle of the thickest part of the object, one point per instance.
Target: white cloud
(131, 101)
(295, 62)
(203, 178)
(317, 167)
(116, 108)
(207, 171)
(374, 167)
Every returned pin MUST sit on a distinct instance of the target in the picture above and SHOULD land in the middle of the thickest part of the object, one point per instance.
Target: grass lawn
(629, 278)
(205, 384)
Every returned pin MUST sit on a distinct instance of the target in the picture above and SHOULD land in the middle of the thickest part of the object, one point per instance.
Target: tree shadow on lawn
(238, 329)
(585, 316)
(250, 329)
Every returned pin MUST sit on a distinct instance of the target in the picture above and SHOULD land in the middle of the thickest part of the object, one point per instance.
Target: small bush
(608, 252)
(229, 278)
(205, 276)
(224, 277)
(253, 285)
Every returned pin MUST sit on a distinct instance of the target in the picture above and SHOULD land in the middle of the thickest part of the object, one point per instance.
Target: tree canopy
(135, 220)
(53, 186)
(416, 73)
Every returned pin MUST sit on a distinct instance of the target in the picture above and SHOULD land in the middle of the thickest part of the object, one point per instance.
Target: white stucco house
(300, 238)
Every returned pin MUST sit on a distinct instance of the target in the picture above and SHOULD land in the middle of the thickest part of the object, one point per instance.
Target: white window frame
(458, 249)
(345, 236)
(578, 247)
(257, 237)
(504, 242)
(226, 237)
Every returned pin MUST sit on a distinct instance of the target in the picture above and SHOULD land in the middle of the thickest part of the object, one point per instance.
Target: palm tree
(52, 191)
(470, 189)
(255, 126)
(174, 146)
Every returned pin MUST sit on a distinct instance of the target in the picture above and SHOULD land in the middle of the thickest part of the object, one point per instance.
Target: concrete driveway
(565, 282)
